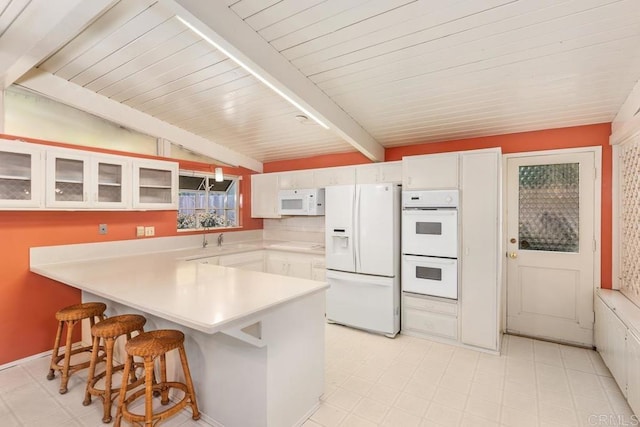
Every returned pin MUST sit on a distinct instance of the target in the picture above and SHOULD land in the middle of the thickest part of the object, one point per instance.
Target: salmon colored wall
(28, 302)
(324, 161)
(551, 139)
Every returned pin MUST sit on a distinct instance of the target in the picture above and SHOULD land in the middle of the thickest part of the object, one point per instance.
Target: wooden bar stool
(149, 346)
(109, 330)
(69, 316)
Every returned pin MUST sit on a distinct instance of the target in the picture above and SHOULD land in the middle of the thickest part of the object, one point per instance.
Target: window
(205, 203)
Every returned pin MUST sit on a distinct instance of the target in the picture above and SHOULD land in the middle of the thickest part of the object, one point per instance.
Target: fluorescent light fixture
(218, 174)
(252, 72)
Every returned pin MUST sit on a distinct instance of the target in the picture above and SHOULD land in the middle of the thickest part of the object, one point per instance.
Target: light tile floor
(376, 381)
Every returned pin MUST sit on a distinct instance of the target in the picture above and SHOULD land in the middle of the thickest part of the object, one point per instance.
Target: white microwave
(301, 202)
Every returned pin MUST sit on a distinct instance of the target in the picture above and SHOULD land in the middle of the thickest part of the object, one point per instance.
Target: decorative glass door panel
(70, 180)
(15, 176)
(20, 179)
(549, 207)
(109, 183)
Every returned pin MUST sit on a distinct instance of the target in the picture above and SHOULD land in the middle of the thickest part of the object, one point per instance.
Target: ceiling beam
(51, 24)
(220, 24)
(76, 96)
(626, 123)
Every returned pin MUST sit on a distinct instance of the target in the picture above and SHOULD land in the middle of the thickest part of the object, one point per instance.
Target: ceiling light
(252, 72)
(218, 174)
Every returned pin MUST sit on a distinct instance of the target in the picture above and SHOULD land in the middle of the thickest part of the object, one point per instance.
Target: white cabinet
(342, 175)
(20, 175)
(212, 260)
(264, 195)
(633, 372)
(289, 264)
(612, 346)
(155, 184)
(77, 179)
(253, 261)
(616, 337)
(318, 269)
(430, 171)
(427, 317)
(479, 278)
(296, 180)
(379, 173)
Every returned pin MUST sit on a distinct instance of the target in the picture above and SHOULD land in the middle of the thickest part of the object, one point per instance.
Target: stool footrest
(177, 407)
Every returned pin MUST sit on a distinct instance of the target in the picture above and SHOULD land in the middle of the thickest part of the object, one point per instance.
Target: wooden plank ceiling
(407, 71)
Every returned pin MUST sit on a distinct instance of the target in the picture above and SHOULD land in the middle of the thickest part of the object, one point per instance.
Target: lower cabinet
(289, 264)
(423, 316)
(253, 261)
(618, 342)
(633, 371)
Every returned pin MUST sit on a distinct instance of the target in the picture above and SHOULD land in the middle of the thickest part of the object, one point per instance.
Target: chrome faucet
(220, 238)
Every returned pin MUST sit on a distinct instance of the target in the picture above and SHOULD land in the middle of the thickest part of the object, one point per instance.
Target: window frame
(209, 206)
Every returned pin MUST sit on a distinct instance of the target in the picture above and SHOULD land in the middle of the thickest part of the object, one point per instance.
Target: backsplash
(630, 223)
(295, 228)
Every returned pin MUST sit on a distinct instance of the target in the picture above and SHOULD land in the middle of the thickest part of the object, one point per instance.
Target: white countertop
(205, 297)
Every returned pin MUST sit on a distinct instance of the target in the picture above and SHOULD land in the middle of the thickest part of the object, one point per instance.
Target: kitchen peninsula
(255, 341)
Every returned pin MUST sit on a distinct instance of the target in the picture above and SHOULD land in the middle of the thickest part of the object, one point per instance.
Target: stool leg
(106, 415)
(54, 354)
(132, 376)
(67, 358)
(163, 380)
(123, 391)
(187, 378)
(148, 391)
(92, 371)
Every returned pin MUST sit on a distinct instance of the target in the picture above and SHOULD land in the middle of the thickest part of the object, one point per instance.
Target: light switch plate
(102, 229)
(140, 231)
(149, 231)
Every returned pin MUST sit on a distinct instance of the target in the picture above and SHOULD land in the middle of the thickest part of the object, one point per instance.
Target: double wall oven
(430, 243)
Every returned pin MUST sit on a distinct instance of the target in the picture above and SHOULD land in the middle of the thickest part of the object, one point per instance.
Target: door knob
(512, 255)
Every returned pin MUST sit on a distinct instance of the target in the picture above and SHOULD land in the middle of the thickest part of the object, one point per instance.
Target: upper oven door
(430, 232)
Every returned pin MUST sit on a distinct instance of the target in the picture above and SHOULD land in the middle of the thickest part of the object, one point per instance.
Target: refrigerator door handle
(356, 237)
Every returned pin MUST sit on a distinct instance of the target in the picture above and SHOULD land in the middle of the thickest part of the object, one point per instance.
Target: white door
(365, 302)
(339, 234)
(550, 246)
(375, 229)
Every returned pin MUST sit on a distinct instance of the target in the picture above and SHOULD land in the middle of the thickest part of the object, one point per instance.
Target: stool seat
(80, 311)
(69, 316)
(155, 343)
(151, 345)
(109, 330)
(118, 325)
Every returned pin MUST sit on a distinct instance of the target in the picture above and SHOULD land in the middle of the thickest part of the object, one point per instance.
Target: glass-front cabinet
(155, 185)
(79, 180)
(20, 168)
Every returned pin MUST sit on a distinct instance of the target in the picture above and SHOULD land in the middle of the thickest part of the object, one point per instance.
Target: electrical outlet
(149, 231)
(102, 229)
(140, 231)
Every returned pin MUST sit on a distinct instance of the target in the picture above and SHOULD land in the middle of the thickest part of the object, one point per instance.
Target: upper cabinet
(342, 175)
(379, 172)
(264, 195)
(37, 176)
(155, 184)
(80, 180)
(20, 169)
(430, 172)
(296, 180)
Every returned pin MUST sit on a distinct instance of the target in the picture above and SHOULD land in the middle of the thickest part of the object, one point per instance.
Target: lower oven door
(430, 276)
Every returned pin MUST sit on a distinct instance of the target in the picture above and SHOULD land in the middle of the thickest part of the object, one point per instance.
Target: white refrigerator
(362, 243)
